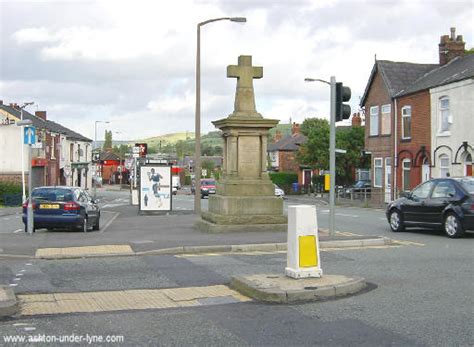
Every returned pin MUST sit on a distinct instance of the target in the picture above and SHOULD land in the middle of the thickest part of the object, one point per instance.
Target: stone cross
(244, 95)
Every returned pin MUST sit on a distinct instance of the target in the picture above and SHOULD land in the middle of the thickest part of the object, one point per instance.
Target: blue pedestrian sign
(29, 136)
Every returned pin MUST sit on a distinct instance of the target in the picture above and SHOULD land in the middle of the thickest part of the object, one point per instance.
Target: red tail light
(71, 206)
(472, 206)
(25, 204)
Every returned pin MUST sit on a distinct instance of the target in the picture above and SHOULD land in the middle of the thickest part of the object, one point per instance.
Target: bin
(295, 187)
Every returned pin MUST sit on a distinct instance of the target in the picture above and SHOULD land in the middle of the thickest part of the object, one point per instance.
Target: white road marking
(110, 221)
(19, 275)
(22, 270)
(29, 328)
(13, 284)
(20, 324)
(6, 218)
(17, 231)
(28, 264)
(17, 279)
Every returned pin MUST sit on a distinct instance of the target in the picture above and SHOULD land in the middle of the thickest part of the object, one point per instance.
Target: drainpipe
(395, 155)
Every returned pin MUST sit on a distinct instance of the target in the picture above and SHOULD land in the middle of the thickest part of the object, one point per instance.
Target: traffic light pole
(332, 157)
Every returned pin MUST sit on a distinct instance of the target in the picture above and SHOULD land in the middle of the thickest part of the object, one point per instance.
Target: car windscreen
(53, 194)
(208, 183)
(359, 184)
(468, 184)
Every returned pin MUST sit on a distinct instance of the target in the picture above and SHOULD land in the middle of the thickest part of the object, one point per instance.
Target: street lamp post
(332, 151)
(94, 181)
(22, 152)
(197, 148)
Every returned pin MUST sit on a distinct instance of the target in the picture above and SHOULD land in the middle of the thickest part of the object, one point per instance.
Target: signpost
(29, 138)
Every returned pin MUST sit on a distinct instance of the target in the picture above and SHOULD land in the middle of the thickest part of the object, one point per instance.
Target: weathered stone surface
(209, 227)
(8, 302)
(285, 290)
(245, 197)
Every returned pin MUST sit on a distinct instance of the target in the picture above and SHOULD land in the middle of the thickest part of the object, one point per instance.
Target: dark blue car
(63, 208)
(446, 203)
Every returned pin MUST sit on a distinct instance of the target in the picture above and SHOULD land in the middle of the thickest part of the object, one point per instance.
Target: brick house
(282, 154)
(398, 104)
(50, 154)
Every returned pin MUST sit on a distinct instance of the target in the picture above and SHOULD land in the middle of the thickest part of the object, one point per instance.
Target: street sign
(29, 135)
(136, 150)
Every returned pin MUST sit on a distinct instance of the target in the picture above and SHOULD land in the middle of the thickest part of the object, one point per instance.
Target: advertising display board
(155, 188)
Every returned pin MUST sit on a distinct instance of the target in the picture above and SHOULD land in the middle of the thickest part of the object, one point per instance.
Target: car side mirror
(405, 195)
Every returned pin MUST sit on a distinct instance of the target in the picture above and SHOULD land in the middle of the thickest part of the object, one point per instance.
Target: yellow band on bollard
(307, 251)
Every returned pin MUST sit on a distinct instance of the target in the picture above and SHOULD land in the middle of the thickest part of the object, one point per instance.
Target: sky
(133, 63)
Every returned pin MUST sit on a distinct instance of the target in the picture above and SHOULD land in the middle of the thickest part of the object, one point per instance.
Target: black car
(64, 208)
(359, 187)
(446, 203)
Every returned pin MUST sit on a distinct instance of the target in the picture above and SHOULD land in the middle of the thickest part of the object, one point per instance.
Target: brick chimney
(295, 129)
(356, 120)
(450, 47)
(277, 136)
(41, 114)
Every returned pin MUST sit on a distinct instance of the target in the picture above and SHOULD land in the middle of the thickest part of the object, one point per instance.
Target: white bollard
(302, 258)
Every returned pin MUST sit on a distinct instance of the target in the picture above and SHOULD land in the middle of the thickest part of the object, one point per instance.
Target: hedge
(9, 189)
(284, 179)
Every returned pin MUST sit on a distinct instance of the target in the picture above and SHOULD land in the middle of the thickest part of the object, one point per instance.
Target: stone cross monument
(245, 198)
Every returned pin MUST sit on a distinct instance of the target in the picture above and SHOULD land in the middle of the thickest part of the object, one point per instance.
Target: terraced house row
(419, 119)
(60, 156)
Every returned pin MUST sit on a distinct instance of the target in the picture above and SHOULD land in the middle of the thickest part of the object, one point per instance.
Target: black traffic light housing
(343, 94)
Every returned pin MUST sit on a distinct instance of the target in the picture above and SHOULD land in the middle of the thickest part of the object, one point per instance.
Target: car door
(444, 193)
(414, 208)
(92, 207)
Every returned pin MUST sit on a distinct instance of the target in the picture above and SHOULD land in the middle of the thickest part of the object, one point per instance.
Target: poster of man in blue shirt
(155, 188)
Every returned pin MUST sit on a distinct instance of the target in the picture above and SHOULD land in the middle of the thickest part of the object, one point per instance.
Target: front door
(388, 180)
(307, 178)
(468, 165)
(425, 172)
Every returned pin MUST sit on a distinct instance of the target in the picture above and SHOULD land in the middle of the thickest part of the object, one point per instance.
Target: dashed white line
(17, 231)
(28, 264)
(29, 328)
(13, 284)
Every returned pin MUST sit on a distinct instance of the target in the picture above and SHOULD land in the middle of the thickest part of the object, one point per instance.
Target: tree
(208, 165)
(108, 140)
(352, 140)
(315, 152)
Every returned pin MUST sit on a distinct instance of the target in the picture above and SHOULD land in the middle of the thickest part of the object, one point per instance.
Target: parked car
(64, 208)
(358, 187)
(279, 192)
(446, 203)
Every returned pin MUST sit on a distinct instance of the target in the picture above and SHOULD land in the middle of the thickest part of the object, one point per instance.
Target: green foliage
(352, 140)
(469, 51)
(315, 152)
(9, 188)
(108, 140)
(187, 180)
(208, 165)
(121, 150)
(284, 179)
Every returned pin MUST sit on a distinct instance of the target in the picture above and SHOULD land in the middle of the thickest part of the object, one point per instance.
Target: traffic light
(343, 94)
(143, 149)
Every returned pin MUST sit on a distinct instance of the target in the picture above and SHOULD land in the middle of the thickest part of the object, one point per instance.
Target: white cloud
(134, 62)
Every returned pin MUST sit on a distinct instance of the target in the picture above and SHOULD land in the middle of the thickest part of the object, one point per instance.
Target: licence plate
(49, 206)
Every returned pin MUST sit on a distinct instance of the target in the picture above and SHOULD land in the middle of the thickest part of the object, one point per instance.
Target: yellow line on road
(136, 299)
(73, 252)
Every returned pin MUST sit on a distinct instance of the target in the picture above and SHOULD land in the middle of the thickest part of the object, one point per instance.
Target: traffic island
(8, 302)
(285, 290)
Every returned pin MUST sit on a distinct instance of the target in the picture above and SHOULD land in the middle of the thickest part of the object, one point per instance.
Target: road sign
(29, 135)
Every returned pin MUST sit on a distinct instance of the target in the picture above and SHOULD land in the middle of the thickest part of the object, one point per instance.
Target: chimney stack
(277, 136)
(450, 47)
(356, 120)
(295, 129)
(41, 114)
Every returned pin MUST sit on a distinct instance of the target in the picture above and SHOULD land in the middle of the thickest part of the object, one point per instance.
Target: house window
(374, 120)
(386, 119)
(378, 172)
(444, 114)
(78, 152)
(406, 122)
(406, 166)
(71, 152)
(53, 148)
(443, 166)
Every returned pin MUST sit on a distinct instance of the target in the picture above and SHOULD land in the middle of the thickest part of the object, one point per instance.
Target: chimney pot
(453, 33)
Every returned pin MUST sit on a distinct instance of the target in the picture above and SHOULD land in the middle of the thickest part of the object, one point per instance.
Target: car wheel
(396, 221)
(83, 227)
(453, 226)
(97, 224)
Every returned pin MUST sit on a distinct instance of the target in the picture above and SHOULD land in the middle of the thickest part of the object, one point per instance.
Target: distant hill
(167, 139)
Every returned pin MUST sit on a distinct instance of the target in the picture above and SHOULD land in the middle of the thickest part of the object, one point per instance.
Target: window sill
(373, 136)
(406, 140)
(445, 134)
(385, 135)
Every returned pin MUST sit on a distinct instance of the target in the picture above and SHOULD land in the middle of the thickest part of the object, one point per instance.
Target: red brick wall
(287, 161)
(420, 134)
(380, 146)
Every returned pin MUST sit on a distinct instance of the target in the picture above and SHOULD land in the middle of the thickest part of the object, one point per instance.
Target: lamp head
(238, 19)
